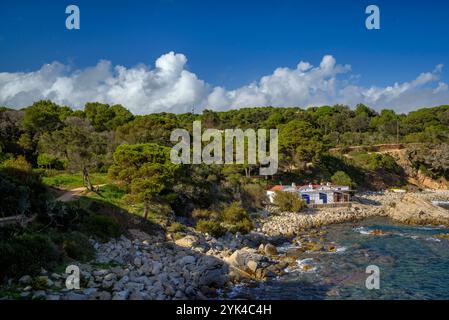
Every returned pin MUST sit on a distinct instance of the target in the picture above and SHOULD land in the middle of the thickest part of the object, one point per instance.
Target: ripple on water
(362, 230)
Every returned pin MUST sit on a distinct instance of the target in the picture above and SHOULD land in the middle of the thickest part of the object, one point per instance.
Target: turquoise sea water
(413, 265)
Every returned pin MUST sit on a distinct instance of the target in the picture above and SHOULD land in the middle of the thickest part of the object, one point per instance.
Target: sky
(172, 55)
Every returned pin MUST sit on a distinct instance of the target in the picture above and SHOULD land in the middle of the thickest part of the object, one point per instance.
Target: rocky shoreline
(408, 208)
(139, 266)
(156, 268)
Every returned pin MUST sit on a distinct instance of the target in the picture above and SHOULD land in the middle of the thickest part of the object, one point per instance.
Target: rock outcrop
(290, 223)
(412, 209)
(248, 263)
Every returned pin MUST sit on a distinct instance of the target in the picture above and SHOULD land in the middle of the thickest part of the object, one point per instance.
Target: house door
(306, 197)
(323, 197)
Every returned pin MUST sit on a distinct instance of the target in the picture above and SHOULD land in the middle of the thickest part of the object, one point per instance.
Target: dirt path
(74, 193)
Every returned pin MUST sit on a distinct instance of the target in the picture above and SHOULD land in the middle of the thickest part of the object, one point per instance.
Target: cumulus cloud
(170, 87)
(167, 87)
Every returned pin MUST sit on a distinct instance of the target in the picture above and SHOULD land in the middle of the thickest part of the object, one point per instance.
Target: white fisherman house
(315, 193)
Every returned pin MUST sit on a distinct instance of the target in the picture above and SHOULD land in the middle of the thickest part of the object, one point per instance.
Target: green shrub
(254, 196)
(48, 161)
(199, 214)
(237, 219)
(18, 163)
(234, 213)
(288, 201)
(21, 190)
(375, 161)
(243, 226)
(27, 254)
(39, 283)
(213, 228)
(78, 247)
(62, 216)
(341, 178)
(424, 170)
(176, 227)
(204, 214)
(102, 227)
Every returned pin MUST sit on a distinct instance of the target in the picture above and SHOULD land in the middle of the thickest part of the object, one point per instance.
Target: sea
(412, 263)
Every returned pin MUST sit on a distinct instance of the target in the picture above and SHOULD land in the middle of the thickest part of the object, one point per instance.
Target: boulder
(188, 241)
(246, 261)
(75, 296)
(270, 250)
(137, 261)
(169, 291)
(100, 295)
(89, 291)
(25, 280)
(120, 295)
(134, 286)
(252, 266)
(187, 260)
(135, 295)
(179, 295)
(157, 267)
(213, 278)
(294, 253)
(39, 294)
(109, 277)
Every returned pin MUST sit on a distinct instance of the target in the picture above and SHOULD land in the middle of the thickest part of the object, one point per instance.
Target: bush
(27, 254)
(237, 219)
(204, 214)
(288, 201)
(213, 228)
(243, 226)
(341, 178)
(78, 247)
(19, 163)
(376, 161)
(254, 196)
(47, 161)
(234, 213)
(62, 216)
(39, 283)
(21, 190)
(102, 227)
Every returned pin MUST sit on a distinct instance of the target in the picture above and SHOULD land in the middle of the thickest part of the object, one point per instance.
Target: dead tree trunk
(86, 180)
(145, 209)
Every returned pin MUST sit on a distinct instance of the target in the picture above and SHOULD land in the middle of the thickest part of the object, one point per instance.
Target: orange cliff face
(413, 176)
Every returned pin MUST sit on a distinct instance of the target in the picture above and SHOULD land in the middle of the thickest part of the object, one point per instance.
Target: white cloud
(170, 87)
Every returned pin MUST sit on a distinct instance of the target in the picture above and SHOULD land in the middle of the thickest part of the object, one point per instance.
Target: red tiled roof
(276, 188)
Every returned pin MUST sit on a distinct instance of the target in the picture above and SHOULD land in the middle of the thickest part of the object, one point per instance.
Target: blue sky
(231, 44)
